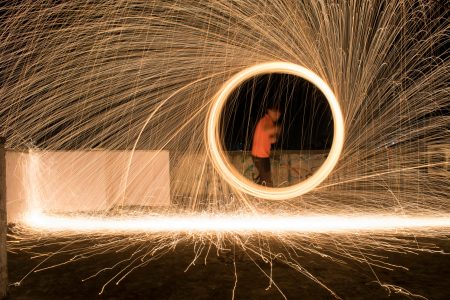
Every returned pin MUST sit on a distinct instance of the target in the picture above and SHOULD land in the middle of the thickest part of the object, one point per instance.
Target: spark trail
(127, 75)
(244, 224)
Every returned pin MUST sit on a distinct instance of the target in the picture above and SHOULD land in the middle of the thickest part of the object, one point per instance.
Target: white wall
(16, 186)
(85, 181)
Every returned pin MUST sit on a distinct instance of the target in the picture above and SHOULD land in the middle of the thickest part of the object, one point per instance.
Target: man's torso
(262, 139)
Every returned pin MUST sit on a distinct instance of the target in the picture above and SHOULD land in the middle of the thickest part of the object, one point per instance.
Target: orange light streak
(236, 223)
(217, 153)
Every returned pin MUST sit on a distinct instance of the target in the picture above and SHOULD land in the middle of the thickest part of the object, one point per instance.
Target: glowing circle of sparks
(218, 155)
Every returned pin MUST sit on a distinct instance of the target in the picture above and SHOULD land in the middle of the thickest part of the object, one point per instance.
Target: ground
(166, 278)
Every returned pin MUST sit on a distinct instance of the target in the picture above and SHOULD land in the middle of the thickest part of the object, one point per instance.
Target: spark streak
(238, 224)
(231, 175)
(143, 75)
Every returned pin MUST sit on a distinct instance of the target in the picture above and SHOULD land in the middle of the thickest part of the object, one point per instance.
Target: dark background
(306, 118)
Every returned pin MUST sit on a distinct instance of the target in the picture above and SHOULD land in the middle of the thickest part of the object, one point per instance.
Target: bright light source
(242, 224)
(217, 153)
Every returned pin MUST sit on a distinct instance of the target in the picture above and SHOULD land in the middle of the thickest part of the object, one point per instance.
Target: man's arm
(272, 131)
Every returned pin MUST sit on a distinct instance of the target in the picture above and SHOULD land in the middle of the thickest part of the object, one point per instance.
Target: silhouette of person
(266, 134)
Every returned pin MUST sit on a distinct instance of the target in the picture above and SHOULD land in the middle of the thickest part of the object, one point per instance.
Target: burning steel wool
(106, 102)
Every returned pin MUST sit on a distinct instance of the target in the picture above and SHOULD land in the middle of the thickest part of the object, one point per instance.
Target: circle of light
(219, 158)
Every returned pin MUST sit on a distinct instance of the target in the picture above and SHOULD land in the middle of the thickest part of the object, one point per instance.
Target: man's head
(273, 112)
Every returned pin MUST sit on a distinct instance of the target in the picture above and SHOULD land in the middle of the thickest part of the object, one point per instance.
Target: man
(266, 133)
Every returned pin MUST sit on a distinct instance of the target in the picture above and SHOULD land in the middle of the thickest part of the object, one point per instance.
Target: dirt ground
(166, 278)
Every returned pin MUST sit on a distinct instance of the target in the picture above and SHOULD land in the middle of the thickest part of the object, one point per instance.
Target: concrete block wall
(85, 181)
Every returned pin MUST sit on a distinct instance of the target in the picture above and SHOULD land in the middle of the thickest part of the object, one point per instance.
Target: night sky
(306, 119)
